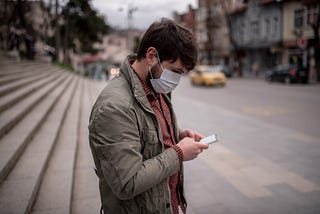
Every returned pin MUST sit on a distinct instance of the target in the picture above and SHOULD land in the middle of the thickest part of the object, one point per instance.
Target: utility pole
(131, 10)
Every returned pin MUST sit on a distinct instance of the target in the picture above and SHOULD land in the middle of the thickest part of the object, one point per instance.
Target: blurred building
(257, 32)
(187, 19)
(211, 25)
(202, 32)
(309, 39)
(113, 47)
(272, 32)
(293, 25)
(215, 15)
(133, 38)
(298, 36)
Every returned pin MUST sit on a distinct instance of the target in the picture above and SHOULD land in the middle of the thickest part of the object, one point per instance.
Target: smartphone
(210, 139)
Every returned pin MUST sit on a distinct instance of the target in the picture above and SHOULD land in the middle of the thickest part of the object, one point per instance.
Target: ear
(151, 56)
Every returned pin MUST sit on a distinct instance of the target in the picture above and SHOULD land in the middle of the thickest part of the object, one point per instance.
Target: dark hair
(172, 42)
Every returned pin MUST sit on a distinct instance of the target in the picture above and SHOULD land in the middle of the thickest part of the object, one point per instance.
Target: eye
(176, 71)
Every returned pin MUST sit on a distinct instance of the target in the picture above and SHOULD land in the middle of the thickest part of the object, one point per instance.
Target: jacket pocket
(151, 201)
(130, 206)
(151, 146)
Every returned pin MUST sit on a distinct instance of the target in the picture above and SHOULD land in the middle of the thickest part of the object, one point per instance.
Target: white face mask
(167, 82)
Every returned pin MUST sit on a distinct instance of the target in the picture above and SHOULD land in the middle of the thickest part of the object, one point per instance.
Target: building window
(241, 31)
(216, 9)
(275, 25)
(255, 30)
(203, 36)
(201, 14)
(312, 14)
(298, 18)
(267, 25)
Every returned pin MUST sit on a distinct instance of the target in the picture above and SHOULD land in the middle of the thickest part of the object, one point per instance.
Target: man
(134, 138)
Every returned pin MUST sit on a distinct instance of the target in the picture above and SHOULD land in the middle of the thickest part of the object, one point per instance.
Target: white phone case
(210, 139)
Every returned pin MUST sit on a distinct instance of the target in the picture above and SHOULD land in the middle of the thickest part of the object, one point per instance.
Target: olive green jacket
(127, 147)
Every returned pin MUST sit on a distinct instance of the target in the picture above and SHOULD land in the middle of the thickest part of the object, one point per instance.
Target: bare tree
(65, 39)
(4, 28)
(57, 31)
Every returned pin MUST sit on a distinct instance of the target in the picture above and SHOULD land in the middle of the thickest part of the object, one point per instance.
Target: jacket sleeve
(115, 136)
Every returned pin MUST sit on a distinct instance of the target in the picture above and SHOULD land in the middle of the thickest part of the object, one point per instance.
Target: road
(269, 155)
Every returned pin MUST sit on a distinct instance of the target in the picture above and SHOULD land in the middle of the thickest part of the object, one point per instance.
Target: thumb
(203, 145)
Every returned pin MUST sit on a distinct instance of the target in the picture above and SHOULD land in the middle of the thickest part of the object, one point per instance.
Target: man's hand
(190, 133)
(190, 148)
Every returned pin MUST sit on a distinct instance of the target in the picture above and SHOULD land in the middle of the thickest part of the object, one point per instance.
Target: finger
(203, 146)
(190, 134)
(198, 138)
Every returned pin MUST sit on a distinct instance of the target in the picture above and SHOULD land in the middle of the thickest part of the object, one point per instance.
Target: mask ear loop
(159, 61)
(149, 69)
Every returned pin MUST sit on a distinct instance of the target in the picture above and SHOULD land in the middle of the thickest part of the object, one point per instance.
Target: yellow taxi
(207, 75)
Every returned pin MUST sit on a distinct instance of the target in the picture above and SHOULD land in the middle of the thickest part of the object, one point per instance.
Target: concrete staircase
(45, 160)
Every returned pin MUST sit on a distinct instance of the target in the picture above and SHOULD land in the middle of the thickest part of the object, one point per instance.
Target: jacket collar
(137, 88)
(135, 83)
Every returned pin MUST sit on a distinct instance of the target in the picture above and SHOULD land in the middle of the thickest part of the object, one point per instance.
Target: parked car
(207, 75)
(288, 73)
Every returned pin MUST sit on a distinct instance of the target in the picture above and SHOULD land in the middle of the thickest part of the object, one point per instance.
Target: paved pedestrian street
(258, 167)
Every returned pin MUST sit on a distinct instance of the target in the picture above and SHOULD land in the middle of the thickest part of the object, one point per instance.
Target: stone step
(15, 64)
(55, 192)
(85, 197)
(11, 146)
(20, 68)
(19, 190)
(11, 116)
(19, 83)
(12, 78)
(95, 88)
(22, 93)
(12, 63)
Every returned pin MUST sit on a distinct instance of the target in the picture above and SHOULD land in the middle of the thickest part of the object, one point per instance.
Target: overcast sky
(116, 11)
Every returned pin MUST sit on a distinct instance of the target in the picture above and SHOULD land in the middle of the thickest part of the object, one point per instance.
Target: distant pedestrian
(255, 69)
(135, 141)
(106, 71)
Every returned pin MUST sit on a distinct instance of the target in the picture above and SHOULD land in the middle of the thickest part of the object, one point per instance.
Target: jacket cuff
(179, 153)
